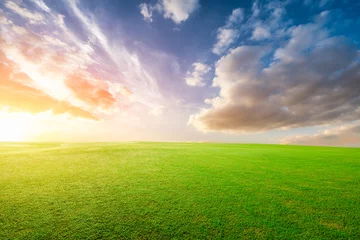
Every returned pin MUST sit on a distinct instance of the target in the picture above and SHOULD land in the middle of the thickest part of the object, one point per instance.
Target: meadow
(178, 191)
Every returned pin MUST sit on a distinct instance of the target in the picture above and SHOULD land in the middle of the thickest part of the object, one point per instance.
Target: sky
(283, 72)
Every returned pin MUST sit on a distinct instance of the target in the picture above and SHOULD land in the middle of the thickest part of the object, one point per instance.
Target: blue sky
(181, 70)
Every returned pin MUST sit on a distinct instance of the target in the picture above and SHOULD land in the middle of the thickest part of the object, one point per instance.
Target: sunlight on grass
(178, 191)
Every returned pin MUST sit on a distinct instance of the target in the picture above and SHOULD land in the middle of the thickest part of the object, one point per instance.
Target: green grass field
(178, 191)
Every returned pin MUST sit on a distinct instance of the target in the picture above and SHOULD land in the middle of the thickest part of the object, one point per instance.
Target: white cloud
(42, 5)
(260, 33)
(179, 10)
(267, 20)
(264, 22)
(146, 11)
(225, 38)
(227, 34)
(236, 16)
(176, 10)
(312, 80)
(196, 77)
(33, 16)
(302, 38)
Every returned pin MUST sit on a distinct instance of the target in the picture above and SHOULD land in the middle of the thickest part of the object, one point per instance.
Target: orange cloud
(91, 91)
(17, 94)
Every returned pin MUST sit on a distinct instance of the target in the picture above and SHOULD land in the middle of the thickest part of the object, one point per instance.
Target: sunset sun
(13, 128)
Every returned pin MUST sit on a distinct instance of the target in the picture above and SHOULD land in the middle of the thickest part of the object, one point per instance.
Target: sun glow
(14, 127)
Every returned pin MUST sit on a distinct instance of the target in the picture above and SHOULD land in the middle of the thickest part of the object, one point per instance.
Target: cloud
(179, 10)
(255, 9)
(80, 63)
(196, 77)
(123, 91)
(146, 10)
(43, 57)
(225, 37)
(42, 6)
(123, 63)
(312, 80)
(3, 19)
(176, 10)
(264, 22)
(17, 94)
(227, 34)
(91, 91)
(236, 16)
(267, 21)
(345, 135)
(260, 33)
(157, 111)
(33, 16)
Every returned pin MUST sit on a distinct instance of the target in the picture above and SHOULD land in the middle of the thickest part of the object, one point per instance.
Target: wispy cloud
(89, 69)
(17, 94)
(33, 16)
(127, 64)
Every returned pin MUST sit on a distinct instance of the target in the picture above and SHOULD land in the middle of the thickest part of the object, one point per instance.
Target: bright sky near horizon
(180, 70)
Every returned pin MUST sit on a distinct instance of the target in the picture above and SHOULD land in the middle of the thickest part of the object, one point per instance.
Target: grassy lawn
(178, 191)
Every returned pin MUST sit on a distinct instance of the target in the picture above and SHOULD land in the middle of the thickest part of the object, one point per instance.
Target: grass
(178, 191)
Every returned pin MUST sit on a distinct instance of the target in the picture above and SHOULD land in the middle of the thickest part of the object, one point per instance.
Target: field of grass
(178, 191)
